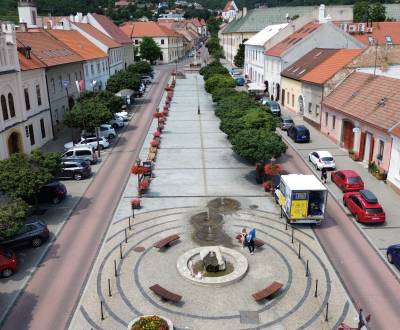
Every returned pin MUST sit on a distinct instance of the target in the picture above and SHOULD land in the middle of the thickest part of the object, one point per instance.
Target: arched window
(4, 107)
(11, 105)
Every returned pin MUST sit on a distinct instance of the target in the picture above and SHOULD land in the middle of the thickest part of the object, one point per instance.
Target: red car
(347, 180)
(8, 262)
(364, 206)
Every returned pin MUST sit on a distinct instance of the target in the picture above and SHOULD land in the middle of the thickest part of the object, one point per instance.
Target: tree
(89, 115)
(149, 50)
(12, 217)
(123, 80)
(22, 175)
(364, 11)
(141, 67)
(110, 100)
(218, 81)
(258, 145)
(239, 57)
(213, 68)
(213, 26)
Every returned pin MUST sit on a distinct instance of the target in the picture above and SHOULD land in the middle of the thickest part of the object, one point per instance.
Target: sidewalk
(383, 235)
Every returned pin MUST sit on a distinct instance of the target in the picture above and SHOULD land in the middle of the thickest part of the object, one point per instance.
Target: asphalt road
(50, 297)
(368, 280)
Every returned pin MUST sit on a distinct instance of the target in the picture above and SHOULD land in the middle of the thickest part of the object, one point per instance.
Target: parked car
(299, 133)
(90, 141)
(347, 180)
(123, 115)
(322, 159)
(105, 130)
(116, 122)
(146, 79)
(364, 206)
(81, 152)
(285, 123)
(393, 254)
(240, 81)
(32, 233)
(8, 262)
(75, 169)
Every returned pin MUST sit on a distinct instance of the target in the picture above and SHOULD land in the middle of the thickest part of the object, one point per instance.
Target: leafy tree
(239, 57)
(218, 81)
(364, 11)
(149, 50)
(258, 145)
(213, 68)
(22, 175)
(213, 26)
(141, 67)
(110, 100)
(122, 80)
(12, 217)
(214, 48)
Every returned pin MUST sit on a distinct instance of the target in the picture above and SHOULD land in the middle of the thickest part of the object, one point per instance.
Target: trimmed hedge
(219, 81)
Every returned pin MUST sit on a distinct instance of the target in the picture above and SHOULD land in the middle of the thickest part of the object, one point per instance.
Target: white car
(105, 130)
(322, 159)
(116, 122)
(122, 114)
(89, 141)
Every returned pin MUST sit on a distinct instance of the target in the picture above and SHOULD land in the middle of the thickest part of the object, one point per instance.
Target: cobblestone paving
(196, 167)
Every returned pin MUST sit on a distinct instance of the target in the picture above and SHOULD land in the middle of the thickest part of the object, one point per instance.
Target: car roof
(80, 147)
(349, 173)
(286, 118)
(394, 246)
(301, 127)
(324, 153)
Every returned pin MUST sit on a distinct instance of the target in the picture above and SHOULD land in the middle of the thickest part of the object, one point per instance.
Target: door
(283, 97)
(348, 135)
(367, 147)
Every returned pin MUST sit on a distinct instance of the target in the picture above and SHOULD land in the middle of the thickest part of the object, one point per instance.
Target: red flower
(267, 185)
(165, 112)
(156, 134)
(273, 169)
(135, 202)
(158, 115)
(154, 143)
(144, 184)
(137, 169)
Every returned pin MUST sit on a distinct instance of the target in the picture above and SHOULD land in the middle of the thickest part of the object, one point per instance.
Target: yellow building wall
(294, 90)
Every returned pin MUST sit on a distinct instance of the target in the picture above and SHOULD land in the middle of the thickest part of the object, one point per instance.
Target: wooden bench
(268, 291)
(257, 242)
(165, 242)
(165, 294)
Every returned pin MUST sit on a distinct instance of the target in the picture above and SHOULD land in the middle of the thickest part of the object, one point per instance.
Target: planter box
(169, 322)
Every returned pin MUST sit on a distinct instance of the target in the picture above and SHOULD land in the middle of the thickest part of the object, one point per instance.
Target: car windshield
(377, 210)
(327, 159)
(288, 121)
(354, 179)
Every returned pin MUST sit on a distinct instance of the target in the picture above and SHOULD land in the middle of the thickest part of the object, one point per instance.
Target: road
(368, 280)
(50, 296)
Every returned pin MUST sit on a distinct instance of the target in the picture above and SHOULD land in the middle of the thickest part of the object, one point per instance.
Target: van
(82, 153)
(299, 133)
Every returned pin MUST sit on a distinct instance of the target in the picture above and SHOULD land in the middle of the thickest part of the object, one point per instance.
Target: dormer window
(389, 40)
(371, 41)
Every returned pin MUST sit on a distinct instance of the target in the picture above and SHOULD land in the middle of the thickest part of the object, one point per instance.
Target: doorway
(301, 105)
(369, 147)
(14, 143)
(348, 135)
(283, 97)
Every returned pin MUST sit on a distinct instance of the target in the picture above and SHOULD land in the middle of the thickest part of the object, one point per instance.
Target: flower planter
(155, 143)
(135, 203)
(137, 169)
(165, 113)
(144, 185)
(168, 321)
(156, 134)
(166, 107)
(267, 185)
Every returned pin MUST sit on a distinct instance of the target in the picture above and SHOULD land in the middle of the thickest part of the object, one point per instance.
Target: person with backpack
(250, 239)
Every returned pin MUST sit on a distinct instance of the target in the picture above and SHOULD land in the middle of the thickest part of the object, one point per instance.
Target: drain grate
(139, 249)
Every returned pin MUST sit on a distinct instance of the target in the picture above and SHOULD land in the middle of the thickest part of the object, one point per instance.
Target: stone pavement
(381, 235)
(196, 169)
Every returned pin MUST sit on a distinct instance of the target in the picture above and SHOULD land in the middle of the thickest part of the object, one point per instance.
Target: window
(309, 107)
(60, 81)
(31, 135)
(69, 77)
(11, 105)
(136, 42)
(42, 128)
(92, 69)
(27, 102)
(288, 98)
(162, 41)
(333, 121)
(4, 107)
(371, 40)
(76, 76)
(326, 119)
(292, 100)
(381, 148)
(316, 110)
(389, 40)
(39, 97)
(53, 85)
(80, 75)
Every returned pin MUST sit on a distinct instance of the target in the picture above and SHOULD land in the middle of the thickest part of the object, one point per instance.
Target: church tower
(27, 12)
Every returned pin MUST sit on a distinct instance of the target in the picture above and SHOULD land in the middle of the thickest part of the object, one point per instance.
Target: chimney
(244, 11)
(321, 13)
(71, 18)
(23, 27)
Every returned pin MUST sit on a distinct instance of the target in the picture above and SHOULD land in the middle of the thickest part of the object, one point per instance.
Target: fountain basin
(236, 259)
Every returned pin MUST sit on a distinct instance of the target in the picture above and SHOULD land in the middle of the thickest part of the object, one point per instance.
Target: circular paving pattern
(227, 307)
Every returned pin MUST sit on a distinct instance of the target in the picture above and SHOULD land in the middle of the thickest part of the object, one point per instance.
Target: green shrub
(218, 81)
(213, 68)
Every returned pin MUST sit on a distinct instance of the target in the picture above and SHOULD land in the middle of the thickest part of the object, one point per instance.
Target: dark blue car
(393, 254)
(299, 134)
(240, 81)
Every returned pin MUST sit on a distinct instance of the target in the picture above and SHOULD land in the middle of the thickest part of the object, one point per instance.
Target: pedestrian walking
(243, 235)
(250, 239)
(324, 175)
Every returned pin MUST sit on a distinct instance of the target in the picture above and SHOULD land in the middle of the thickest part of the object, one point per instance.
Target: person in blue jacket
(250, 238)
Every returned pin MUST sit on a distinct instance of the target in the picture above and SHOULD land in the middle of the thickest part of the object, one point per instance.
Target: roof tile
(147, 29)
(104, 39)
(112, 29)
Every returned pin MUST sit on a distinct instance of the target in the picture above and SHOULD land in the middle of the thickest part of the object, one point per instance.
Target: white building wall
(254, 63)
(96, 70)
(394, 168)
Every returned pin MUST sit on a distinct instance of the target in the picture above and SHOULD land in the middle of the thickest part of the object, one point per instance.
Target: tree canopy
(112, 102)
(141, 67)
(365, 11)
(12, 217)
(123, 80)
(239, 57)
(149, 50)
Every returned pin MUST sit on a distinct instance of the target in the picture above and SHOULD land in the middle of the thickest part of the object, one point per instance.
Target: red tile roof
(307, 63)
(28, 64)
(47, 49)
(79, 44)
(293, 39)
(147, 29)
(396, 131)
(372, 99)
(106, 40)
(320, 64)
(380, 30)
(112, 29)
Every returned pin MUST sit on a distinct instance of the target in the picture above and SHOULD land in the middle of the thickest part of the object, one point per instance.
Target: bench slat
(164, 293)
(165, 241)
(268, 291)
